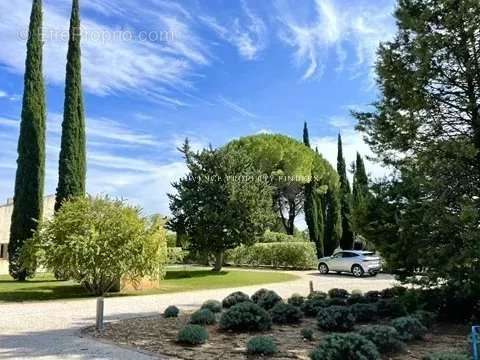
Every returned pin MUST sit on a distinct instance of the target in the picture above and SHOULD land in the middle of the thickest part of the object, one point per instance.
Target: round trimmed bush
(364, 312)
(446, 356)
(286, 314)
(267, 299)
(335, 318)
(311, 306)
(356, 299)
(427, 318)
(212, 305)
(390, 308)
(385, 338)
(203, 317)
(336, 302)
(338, 293)
(296, 300)
(261, 345)
(372, 295)
(171, 312)
(307, 334)
(246, 316)
(192, 335)
(345, 347)
(235, 298)
(317, 295)
(409, 328)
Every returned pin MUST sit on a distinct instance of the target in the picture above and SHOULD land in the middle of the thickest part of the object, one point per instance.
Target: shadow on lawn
(188, 274)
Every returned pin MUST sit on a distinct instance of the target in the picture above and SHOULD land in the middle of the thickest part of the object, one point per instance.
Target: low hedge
(297, 255)
(276, 237)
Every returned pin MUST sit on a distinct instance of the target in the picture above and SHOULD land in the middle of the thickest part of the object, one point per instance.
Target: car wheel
(323, 268)
(374, 274)
(357, 271)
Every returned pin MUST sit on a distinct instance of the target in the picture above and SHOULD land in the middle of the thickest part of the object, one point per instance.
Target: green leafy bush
(335, 318)
(286, 314)
(338, 293)
(296, 300)
(357, 299)
(203, 317)
(176, 255)
(409, 328)
(317, 295)
(261, 345)
(96, 241)
(345, 347)
(171, 312)
(192, 335)
(234, 299)
(446, 356)
(336, 301)
(372, 295)
(390, 308)
(427, 318)
(296, 255)
(395, 291)
(246, 316)
(276, 237)
(267, 299)
(212, 305)
(364, 312)
(311, 306)
(307, 334)
(385, 338)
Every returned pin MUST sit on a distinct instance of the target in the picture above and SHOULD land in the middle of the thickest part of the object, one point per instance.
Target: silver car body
(347, 260)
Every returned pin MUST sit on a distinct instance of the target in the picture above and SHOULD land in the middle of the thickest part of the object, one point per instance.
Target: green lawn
(45, 287)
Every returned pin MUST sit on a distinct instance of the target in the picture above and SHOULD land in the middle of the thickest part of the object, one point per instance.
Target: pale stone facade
(5, 220)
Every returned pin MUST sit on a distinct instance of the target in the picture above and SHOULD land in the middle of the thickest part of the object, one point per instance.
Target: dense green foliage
(222, 202)
(171, 312)
(29, 179)
(385, 338)
(409, 328)
(234, 299)
(345, 347)
(297, 255)
(97, 241)
(311, 307)
(307, 334)
(72, 168)
(203, 317)
(286, 314)
(335, 318)
(261, 345)
(346, 241)
(275, 237)
(212, 305)
(446, 356)
(338, 293)
(246, 316)
(390, 308)
(265, 298)
(296, 300)
(364, 312)
(360, 196)
(192, 335)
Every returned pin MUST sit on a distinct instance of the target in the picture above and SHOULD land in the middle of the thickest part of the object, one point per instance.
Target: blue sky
(157, 71)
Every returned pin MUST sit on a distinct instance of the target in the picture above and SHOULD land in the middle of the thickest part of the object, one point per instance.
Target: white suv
(352, 261)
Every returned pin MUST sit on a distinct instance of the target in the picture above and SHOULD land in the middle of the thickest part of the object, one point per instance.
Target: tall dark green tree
(306, 137)
(72, 163)
(29, 181)
(333, 224)
(346, 242)
(361, 195)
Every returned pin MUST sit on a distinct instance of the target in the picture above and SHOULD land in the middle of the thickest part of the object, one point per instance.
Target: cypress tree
(72, 163)
(346, 242)
(29, 181)
(333, 227)
(306, 137)
(360, 181)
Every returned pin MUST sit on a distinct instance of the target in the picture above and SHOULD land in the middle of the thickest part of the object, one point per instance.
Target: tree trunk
(218, 261)
(291, 217)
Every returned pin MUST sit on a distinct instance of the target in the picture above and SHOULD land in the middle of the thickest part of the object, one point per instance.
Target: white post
(99, 322)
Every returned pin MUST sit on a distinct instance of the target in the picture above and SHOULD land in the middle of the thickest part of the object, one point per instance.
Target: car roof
(359, 252)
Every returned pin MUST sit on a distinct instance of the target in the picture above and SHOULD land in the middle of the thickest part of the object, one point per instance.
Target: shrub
(307, 334)
(171, 312)
(336, 302)
(446, 356)
(356, 299)
(246, 316)
(286, 314)
(317, 295)
(203, 317)
(261, 345)
(176, 255)
(296, 255)
(427, 318)
(192, 335)
(372, 296)
(276, 237)
(311, 307)
(234, 299)
(395, 291)
(357, 292)
(296, 300)
(409, 328)
(364, 312)
(390, 308)
(267, 299)
(345, 347)
(338, 293)
(385, 338)
(212, 305)
(335, 318)
(96, 240)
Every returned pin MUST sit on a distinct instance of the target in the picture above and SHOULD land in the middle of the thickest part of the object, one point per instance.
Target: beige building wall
(5, 220)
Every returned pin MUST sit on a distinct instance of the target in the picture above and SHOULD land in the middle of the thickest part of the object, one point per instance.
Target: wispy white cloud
(334, 27)
(236, 107)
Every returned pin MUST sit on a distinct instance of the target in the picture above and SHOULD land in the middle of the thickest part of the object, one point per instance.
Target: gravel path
(51, 330)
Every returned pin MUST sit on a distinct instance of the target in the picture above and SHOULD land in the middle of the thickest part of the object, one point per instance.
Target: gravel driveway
(51, 330)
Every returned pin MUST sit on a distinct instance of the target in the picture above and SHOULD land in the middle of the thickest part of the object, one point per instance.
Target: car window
(338, 255)
(349, 255)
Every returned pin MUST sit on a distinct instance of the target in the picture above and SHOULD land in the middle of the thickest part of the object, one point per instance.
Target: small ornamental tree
(96, 241)
(223, 202)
